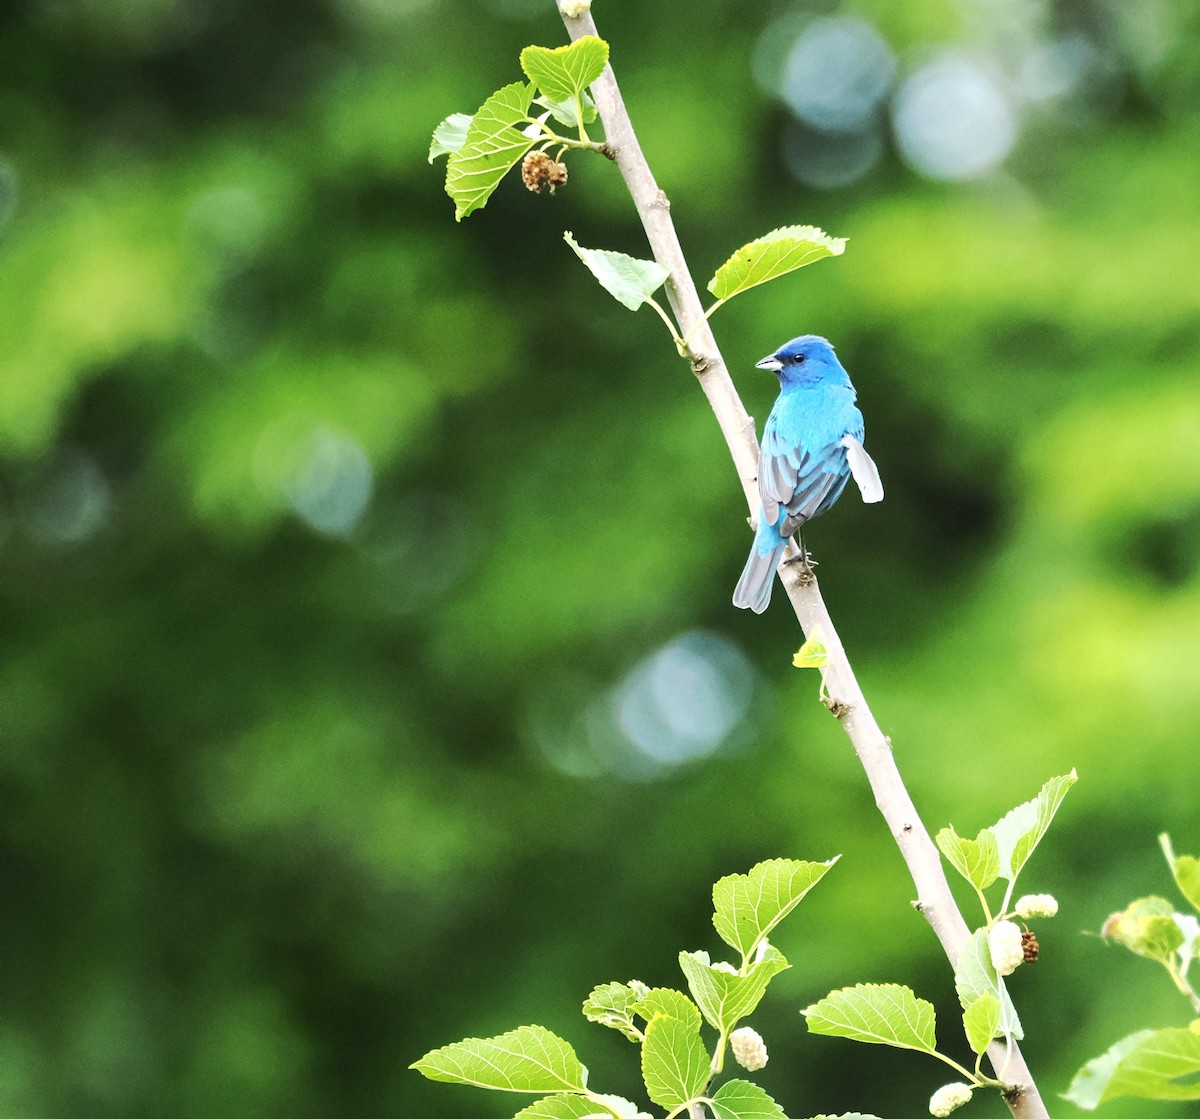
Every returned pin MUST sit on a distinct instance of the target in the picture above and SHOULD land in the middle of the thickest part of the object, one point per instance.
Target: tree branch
(874, 749)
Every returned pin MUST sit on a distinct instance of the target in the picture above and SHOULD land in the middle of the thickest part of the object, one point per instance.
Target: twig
(874, 750)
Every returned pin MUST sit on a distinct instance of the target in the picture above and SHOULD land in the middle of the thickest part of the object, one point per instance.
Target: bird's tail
(753, 590)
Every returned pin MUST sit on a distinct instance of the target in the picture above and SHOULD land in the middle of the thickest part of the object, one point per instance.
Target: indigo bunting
(811, 446)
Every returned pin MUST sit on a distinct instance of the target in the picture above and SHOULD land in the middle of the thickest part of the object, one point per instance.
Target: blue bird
(811, 446)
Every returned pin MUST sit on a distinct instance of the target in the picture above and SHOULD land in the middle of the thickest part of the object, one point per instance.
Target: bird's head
(807, 360)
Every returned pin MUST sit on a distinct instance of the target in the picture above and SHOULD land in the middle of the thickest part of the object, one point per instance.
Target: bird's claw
(804, 559)
(805, 562)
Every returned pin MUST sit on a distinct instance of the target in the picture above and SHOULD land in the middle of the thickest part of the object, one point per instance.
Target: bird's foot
(806, 563)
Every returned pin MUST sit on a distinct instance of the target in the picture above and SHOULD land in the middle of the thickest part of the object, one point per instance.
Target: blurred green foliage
(332, 534)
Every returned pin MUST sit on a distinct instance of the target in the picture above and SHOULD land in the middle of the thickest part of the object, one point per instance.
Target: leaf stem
(703, 319)
(680, 343)
(583, 136)
(974, 1077)
(1180, 981)
(1008, 893)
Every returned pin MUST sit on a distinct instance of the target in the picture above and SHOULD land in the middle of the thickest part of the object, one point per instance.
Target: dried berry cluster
(539, 170)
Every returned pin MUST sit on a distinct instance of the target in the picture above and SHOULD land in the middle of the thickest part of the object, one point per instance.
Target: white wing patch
(863, 470)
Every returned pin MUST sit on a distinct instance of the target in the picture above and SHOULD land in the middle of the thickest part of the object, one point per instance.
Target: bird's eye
(798, 358)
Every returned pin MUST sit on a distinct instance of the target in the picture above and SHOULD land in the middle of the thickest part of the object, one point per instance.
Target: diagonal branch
(846, 702)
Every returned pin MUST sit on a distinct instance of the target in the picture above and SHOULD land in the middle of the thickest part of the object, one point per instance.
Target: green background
(333, 532)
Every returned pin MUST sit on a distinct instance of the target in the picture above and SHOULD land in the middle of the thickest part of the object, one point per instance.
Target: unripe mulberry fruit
(1036, 905)
(948, 1098)
(1004, 942)
(748, 1047)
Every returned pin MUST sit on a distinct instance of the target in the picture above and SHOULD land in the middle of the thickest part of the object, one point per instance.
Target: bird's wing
(792, 479)
(864, 470)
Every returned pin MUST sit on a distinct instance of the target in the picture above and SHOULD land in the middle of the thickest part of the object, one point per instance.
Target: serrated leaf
(615, 1105)
(975, 975)
(977, 860)
(492, 147)
(740, 1099)
(725, 997)
(876, 1013)
(1019, 831)
(562, 73)
(981, 1022)
(611, 1005)
(562, 1106)
(669, 1002)
(567, 112)
(1186, 871)
(1147, 927)
(776, 254)
(748, 906)
(450, 135)
(675, 1065)
(1150, 1064)
(527, 1059)
(628, 280)
(812, 654)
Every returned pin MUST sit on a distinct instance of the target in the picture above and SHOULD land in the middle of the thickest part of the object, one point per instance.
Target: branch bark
(874, 749)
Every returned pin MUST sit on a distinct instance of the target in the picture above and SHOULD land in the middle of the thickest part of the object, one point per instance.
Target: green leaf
(612, 1005)
(450, 135)
(847, 1115)
(977, 860)
(723, 996)
(748, 906)
(1186, 871)
(491, 148)
(1020, 830)
(628, 280)
(672, 1003)
(779, 252)
(617, 1105)
(567, 112)
(562, 73)
(527, 1059)
(1147, 927)
(740, 1099)
(1150, 1064)
(813, 653)
(974, 976)
(981, 1022)
(675, 1065)
(877, 1013)
(562, 1106)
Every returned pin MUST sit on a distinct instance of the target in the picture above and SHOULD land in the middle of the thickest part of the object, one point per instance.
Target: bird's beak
(772, 363)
